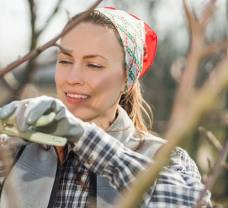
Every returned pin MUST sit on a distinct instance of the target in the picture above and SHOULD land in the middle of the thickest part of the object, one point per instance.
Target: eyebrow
(69, 52)
(94, 56)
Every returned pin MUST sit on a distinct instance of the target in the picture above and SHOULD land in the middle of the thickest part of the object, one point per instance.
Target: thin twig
(49, 19)
(216, 170)
(211, 138)
(32, 13)
(207, 13)
(50, 43)
(191, 19)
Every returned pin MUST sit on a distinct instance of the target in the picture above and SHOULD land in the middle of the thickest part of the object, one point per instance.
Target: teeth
(77, 96)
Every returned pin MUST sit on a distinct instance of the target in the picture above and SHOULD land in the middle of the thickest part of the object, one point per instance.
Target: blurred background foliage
(159, 85)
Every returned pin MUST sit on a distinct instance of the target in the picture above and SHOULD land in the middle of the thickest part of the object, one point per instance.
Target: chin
(83, 114)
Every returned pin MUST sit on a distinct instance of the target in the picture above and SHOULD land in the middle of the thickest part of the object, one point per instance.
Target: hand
(30, 114)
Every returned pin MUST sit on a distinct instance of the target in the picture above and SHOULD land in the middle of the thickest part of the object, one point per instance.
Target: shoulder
(180, 161)
(179, 182)
(150, 144)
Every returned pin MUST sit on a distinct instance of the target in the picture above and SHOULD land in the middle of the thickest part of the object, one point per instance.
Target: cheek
(59, 81)
(59, 76)
(108, 84)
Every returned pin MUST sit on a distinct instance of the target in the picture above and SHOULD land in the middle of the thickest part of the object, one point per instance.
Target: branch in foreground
(213, 48)
(203, 101)
(185, 109)
(198, 49)
(50, 43)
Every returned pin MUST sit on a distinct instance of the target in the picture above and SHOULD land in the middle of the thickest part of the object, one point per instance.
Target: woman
(101, 115)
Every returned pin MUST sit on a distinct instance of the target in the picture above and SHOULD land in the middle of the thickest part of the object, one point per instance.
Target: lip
(76, 97)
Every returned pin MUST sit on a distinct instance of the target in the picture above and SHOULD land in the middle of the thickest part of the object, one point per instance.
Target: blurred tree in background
(161, 82)
(159, 85)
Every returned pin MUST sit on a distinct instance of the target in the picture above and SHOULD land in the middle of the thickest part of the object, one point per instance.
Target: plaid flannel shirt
(100, 153)
(178, 184)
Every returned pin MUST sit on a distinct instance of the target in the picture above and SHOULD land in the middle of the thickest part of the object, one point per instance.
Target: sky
(14, 25)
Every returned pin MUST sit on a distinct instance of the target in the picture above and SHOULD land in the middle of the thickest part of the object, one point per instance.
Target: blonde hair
(137, 108)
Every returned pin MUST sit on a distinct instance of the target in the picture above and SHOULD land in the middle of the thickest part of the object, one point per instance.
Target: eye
(64, 62)
(96, 66)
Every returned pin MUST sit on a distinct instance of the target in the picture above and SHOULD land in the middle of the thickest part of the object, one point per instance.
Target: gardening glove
(43, 114)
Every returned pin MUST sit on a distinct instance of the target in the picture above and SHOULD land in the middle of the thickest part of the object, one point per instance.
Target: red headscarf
(150, 46)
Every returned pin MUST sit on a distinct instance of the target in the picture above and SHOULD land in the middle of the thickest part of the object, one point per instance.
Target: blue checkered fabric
(178, 185)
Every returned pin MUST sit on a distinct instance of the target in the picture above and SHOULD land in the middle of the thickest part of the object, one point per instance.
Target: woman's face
(90, 80)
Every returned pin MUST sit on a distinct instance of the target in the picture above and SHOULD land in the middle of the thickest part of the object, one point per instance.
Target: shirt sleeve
(178, 183)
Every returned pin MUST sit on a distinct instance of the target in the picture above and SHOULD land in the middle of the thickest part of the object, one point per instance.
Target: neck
(106, 120)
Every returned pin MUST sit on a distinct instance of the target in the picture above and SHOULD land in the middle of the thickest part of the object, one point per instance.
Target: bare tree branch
(32, 12)
(50, 43)
(211, 138)
(215, 47)
(191, 19)
(29, 69)
(207, 13)
(197, 49)
(49, 19)
(216, 170)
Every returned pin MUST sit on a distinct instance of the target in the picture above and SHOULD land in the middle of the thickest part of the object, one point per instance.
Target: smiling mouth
(75, 97)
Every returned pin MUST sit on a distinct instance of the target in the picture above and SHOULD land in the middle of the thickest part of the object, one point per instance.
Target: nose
(75, 76)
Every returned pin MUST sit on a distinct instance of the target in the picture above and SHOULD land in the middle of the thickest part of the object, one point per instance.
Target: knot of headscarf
(138, 39)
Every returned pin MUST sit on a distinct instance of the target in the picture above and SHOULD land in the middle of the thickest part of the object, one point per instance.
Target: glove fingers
(37, 110)
(7, 110)
(65, 129)
(45, 106)
(29, 112)
(45, 120)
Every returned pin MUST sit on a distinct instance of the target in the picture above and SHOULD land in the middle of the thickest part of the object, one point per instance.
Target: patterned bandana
(138, 39)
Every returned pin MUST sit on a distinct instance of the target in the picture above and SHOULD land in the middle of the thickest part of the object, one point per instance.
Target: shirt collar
(122, 128)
